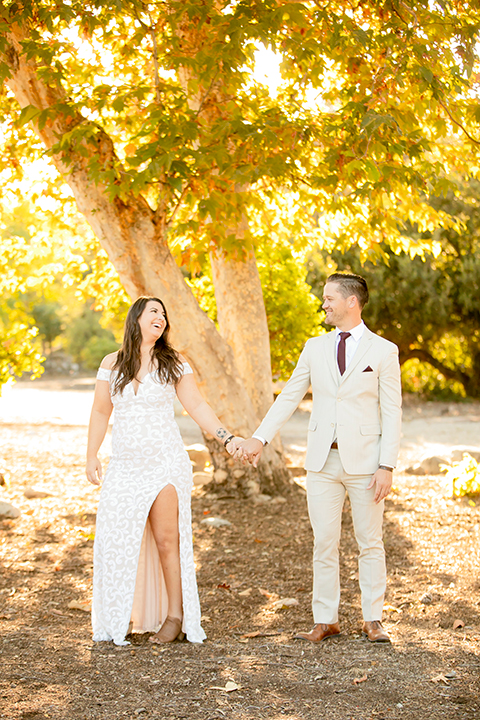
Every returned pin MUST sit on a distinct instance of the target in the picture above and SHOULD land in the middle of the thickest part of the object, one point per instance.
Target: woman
(144, 574)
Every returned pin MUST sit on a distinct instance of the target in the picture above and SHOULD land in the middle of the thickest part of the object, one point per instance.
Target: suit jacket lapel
(363, 346)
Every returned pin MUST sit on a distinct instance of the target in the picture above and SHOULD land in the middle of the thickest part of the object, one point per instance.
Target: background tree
(430, 305)
(150, 114)
(50, 270)
(20, 349)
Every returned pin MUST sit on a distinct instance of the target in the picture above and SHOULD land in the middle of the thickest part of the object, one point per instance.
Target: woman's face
(152, 321)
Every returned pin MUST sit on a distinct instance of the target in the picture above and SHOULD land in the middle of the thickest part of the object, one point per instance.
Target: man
(353, 442)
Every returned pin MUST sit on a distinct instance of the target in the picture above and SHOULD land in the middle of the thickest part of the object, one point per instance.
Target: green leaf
(28, 113)
(426, 73)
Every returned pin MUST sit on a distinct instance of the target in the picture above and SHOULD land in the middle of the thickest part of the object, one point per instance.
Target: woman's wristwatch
(227, 440)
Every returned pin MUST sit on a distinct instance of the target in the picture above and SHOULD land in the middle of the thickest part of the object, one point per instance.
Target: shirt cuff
(262, 440)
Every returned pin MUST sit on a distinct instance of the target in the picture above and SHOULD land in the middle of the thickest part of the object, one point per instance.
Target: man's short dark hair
(351, 284)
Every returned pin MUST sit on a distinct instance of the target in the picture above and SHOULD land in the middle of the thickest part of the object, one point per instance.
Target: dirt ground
(49, 667)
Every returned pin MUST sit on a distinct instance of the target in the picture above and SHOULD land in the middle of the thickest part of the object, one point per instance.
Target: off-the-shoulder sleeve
(103, 374)
(187, 370)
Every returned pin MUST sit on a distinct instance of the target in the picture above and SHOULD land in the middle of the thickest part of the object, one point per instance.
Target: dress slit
(150, 600)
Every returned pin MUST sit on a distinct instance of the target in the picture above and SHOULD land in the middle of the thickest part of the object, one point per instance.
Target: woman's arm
(191, 399)
(101, 411)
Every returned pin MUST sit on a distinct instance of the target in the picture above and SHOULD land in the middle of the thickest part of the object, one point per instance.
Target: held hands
(382, 480)
(93, 471)
(232, 446)
(249, 451)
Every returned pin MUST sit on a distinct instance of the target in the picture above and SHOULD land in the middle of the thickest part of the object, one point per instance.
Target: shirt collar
(355, 332)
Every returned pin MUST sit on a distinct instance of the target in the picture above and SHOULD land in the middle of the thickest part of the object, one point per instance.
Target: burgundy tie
(341, 351)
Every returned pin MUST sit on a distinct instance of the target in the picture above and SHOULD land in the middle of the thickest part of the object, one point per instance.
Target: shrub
(464, 477)
(96, 349)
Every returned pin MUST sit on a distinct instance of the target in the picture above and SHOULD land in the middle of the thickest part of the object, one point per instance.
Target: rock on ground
(9, 511)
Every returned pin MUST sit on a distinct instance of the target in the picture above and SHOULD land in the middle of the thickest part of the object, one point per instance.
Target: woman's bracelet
(227, 440)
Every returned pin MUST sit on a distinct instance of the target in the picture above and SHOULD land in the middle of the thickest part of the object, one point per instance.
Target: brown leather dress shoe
(320, 632)
(374, 631)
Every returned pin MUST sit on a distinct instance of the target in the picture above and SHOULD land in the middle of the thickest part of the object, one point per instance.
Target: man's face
(335, 305)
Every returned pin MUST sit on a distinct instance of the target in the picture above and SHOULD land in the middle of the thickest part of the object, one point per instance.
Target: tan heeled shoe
(171, 630)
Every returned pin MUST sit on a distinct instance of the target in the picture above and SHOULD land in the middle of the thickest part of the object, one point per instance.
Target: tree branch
(169, 221)
(207, 93)
(408, 9)
(425, 356)
(458, 123)
(155, 58)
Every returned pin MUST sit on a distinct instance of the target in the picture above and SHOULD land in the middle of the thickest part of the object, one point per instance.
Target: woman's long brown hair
(164, 356)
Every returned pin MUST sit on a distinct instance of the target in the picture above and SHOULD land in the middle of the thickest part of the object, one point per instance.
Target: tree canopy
(375, 104)
(178, 156)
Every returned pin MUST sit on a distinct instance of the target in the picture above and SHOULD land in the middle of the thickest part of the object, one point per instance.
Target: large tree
(150, 113)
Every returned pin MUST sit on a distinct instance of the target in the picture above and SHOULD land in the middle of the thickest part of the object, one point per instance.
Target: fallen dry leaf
(31, 493)
(391, 608)
(229, 687)
(457, 624)
(245, 593)
(265, 593)
(357, 681)
(439, 678)
(284, 603)
(84, 605)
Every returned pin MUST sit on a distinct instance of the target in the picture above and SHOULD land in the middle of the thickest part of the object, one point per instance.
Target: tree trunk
(243, 323)
(472, 386)
(134, 239)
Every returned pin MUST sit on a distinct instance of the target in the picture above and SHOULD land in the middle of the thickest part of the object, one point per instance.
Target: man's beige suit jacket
(361, 410)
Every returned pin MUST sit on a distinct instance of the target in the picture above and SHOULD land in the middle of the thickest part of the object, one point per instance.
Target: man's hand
(382, 480)
(249, 451)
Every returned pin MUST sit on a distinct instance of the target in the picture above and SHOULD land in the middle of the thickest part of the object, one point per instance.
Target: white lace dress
(147, 454)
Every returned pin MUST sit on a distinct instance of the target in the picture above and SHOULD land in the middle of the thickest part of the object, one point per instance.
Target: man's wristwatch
(386, 467)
